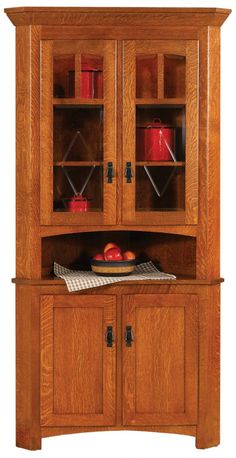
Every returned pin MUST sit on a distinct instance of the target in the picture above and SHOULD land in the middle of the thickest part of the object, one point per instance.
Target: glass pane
(174, 76)
(160, 188)
(146, 76)
(78, 188)
(64, 76)
(78, 133)
(78, 156)
(160, 133)
(91, 77)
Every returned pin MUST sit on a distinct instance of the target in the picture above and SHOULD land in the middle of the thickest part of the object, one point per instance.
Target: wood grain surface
(28, 433)
(160, 369)
(68, 380)
(48, 431)
(118, 16)
(119, 33)
(27, 149)
(173, 297)
(208, 427)
(77, 367)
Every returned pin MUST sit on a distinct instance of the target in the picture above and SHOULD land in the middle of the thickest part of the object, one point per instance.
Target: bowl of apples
(113, 262)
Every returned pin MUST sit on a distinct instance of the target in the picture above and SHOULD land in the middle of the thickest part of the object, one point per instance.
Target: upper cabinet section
(159, 125)
(78, 132)
(122, 91)
(160, 132)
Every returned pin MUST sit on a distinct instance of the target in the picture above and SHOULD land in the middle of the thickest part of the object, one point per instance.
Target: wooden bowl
(112, 268)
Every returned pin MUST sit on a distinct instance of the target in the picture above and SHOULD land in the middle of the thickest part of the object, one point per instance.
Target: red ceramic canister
(91, 81)
(78, 204)
(155, 141)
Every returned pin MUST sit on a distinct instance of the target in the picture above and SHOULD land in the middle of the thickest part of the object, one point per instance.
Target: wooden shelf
(91, 210)
(173, 101)
(188, 280)
(160, 164)
(48, 231)
(77, 101)
(150, 210)
(77, 163)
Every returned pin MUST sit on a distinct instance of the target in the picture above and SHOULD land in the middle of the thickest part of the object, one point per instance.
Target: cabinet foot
(207, 439)
(28, 440)
(205, 445)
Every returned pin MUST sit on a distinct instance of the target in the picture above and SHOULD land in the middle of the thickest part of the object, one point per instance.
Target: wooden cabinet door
(160, 132)
(77, 366)
(160, 364)
(78, 132)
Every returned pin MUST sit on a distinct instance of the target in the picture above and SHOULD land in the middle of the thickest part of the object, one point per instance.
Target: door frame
(48, 303)
(189, 49)
(189, 303)
(108, 49)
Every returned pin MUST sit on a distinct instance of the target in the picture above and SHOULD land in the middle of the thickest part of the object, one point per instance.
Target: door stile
(129, 118)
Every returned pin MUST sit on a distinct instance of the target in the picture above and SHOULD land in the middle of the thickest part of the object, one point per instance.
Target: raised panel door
(160, 359)
(77, 363)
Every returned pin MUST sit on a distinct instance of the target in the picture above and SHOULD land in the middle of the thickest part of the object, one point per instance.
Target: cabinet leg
(29, 440)
(28, 431)
(208, 428)
(207, 439)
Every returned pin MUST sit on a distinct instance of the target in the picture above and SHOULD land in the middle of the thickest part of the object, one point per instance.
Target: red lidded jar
(78, 204)
(91, 82)
(155, 141)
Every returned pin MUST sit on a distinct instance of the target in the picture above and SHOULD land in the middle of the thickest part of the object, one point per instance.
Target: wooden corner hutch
(87, 79)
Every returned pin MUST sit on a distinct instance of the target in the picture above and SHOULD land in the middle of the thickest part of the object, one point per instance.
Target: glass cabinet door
(78, 133)
(160, 132)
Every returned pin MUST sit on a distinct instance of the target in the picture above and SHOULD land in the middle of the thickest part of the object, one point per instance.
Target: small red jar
(155, 141)
(78, 204)
(91, 82)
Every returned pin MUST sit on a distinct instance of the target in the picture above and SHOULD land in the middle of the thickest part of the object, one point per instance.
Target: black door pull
(129, 336)
(109, 336)
(110, 172)
(128, 172)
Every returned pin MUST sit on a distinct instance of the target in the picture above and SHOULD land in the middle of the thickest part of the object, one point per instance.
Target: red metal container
(78, 204)
(155, 141)
(91, 82)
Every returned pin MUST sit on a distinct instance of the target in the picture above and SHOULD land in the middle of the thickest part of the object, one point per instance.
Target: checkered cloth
(77, 280)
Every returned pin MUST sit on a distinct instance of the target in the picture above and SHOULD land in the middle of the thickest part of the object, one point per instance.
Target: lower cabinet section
(80, 345)
(78, 363)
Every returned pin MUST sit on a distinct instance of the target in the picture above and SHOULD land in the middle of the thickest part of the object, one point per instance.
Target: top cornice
(24, 16)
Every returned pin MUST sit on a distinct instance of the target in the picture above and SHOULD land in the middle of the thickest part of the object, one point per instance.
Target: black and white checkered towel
(77, 280)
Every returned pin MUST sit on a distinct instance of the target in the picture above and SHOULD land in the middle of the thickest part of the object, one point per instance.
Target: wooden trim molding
(117, 16)
(48, 431)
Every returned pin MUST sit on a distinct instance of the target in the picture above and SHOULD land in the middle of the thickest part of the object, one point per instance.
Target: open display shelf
(171, 253)
(117, 141)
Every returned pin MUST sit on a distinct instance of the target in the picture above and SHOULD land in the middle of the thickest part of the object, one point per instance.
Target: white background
(118, 444)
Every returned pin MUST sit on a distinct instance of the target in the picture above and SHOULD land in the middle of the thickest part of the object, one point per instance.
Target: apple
(128, 255)
(99, 257)
(113, 254)
(110, 245)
